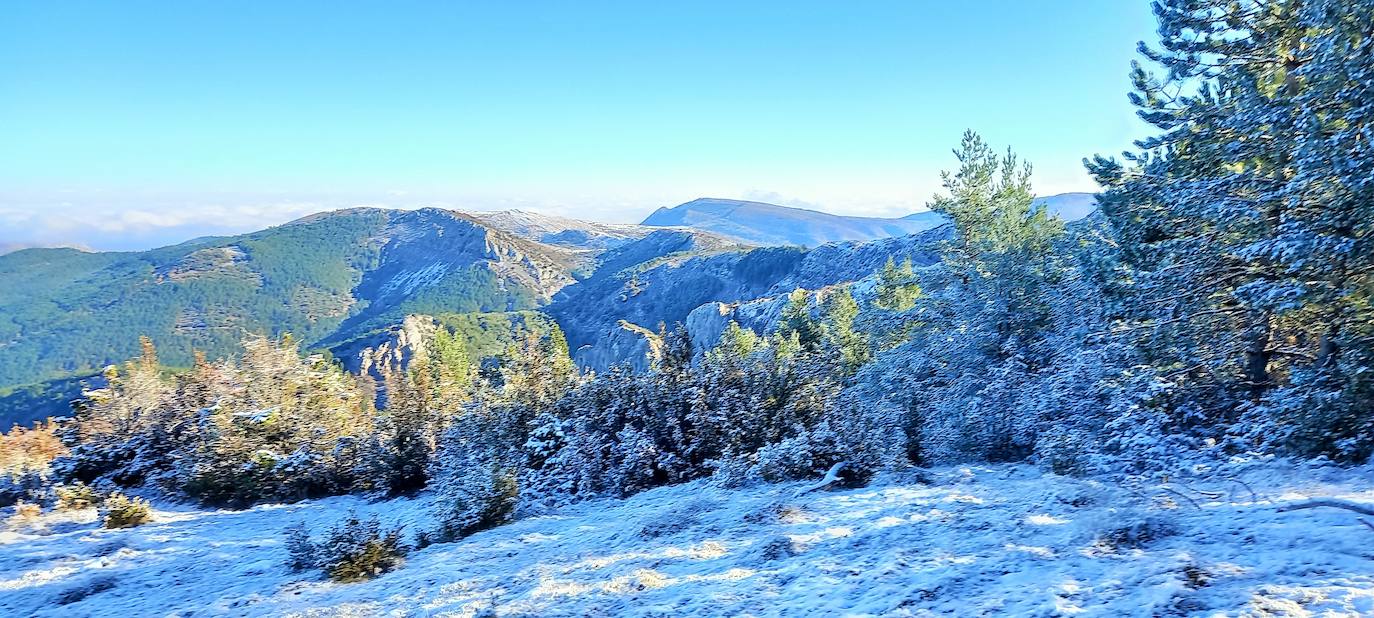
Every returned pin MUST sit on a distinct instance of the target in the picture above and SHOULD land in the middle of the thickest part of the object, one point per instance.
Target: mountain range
(770, 224)
(344, 281)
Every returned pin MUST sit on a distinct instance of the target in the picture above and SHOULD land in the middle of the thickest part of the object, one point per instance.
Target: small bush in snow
(25, 512)
(121, 511)
(676, 519)
(358, 549)
(474, 487)
(792, 459)
(1136, 530)
(302, 553)
(778, 548)
(1063, 451)
(76, 496)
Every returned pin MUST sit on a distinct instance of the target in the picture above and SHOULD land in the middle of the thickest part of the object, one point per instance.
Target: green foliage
(839, 312)
(121, 511)
(797, 320)
(78, 312)
(76, 496)
(897, 286)
(490, 335)
(735, 345)
(357, 549)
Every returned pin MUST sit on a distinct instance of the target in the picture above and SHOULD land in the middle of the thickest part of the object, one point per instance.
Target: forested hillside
(323, 279)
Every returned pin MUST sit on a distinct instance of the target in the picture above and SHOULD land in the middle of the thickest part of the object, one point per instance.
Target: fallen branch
(1254, 497)
(1335, 504)
(831, 476)
(1181, 495)
(1211, 495)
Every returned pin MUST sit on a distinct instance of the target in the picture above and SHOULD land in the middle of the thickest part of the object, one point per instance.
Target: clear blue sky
(132, 122)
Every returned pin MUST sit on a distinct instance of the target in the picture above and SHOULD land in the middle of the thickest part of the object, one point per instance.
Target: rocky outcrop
(665, 279)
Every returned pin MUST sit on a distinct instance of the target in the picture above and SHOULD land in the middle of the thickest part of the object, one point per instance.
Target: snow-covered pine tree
(1244, 223)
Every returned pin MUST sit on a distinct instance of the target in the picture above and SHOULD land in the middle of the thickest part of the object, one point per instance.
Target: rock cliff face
(704, 286)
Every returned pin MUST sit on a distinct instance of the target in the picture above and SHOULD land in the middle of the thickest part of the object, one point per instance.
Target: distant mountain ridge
(770, 224)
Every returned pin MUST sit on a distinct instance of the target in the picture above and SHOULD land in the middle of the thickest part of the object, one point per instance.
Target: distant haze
(798, 223)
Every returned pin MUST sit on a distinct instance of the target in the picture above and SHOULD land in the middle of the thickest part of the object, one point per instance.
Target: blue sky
(135, 123)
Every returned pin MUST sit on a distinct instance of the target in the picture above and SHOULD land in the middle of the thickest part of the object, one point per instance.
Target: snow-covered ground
(965, 541)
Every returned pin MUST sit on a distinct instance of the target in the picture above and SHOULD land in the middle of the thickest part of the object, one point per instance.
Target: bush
(482, 497)
(475, 487)
(1063, 451)
(25, 512)
(356, 550)
(121, 511)
(303, 555)
(77, 496)
(29, 486)
(24, 451)
(1136, 529)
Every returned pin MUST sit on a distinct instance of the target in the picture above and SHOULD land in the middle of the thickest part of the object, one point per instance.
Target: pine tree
(1244, 223)
(796, 319)
(897, 288)
(839, 314)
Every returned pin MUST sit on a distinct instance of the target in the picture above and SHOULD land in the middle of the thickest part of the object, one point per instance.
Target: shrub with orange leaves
(29, 451)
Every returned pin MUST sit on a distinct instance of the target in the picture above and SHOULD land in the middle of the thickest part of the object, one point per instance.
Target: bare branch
(1335, 504)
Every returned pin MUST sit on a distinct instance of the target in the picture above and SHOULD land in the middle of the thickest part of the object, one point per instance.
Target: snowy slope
(562, 231)
(1000, 540)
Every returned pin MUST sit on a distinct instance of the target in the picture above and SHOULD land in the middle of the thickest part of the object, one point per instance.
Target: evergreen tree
(1244, 224)
(796, 319)
(897, 288)
(839, 334)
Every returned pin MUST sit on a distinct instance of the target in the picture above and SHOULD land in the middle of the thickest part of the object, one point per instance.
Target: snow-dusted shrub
(301, 552)
(733, 471)
(637, 458)
(359, 549)
(777, 548)
(1063, 450)
(1149, 424)
(28, 486)
(475, 488)
(798, 457)
(76, 496)
(980, 417)
(121, 511)
(1322, 413)
(677, 518)
(870, 435)
(481, 498)
(1134, 529)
